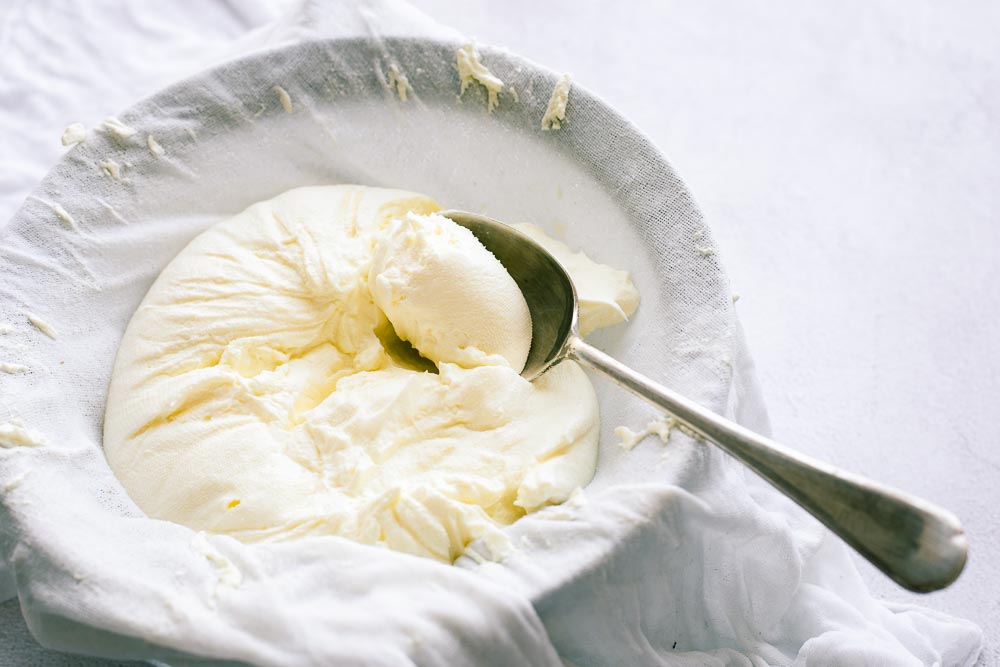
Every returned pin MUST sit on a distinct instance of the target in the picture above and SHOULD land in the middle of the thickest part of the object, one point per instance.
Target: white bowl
(597, 183)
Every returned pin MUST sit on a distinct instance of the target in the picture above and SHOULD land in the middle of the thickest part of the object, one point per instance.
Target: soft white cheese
(16, 482)
(154, 146)
(606, 295)
(284, 98)
(229, 575)
(471, 68)
(628, 439)
(260, 390)
(14, 434)
(63, 215)
(42, 325)
(111, 169)
(448, 296)
(117, 128)
(74, 134)
(555, 112)
(397, 81)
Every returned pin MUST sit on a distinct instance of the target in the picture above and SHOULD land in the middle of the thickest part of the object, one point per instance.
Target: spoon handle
(920, 546)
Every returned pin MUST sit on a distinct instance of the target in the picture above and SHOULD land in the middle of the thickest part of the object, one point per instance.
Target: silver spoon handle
(920, 546)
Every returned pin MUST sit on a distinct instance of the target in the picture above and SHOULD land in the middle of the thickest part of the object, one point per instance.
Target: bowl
(228, 141)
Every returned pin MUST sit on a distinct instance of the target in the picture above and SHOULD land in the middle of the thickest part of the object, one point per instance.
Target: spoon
(918, 545)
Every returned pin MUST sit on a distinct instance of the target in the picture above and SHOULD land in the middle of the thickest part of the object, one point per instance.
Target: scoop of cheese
(448, 296)
(606, 296)
(261, 391)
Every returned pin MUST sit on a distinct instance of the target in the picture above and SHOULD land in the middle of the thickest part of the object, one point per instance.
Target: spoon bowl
(547, 288)
(920, 546)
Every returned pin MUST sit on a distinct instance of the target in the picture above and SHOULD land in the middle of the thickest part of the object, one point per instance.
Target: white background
(846, 155)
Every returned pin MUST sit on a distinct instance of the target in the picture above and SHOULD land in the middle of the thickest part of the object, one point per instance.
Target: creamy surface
(448, 296)
(263, 388)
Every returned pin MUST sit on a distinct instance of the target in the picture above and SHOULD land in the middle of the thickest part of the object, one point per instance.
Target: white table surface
(848, 159)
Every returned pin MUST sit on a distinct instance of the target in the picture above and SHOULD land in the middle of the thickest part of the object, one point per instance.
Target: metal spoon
(920, 546)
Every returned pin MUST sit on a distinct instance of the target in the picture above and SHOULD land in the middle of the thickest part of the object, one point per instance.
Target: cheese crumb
(74, 134)
(399, 81)
(229, 575)
(7, 367)
(16, 482)
(111, 168)
(154, 146)
(284, 98)
(628, 439)
(117, 128)
(556, 111)
(42, 326)
(60, 212)
(63, 215)
(17, 435)
(705, 251)
(470, 69)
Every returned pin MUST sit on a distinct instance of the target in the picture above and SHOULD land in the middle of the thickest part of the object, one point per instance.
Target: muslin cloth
(674, 555)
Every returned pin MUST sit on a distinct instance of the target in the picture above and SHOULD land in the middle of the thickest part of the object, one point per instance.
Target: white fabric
(643, 572)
